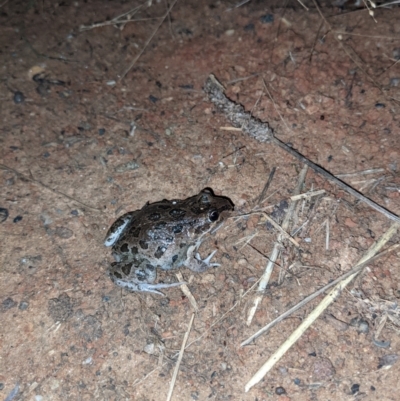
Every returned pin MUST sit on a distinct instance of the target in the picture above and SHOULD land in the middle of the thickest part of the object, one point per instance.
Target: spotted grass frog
(163, 235)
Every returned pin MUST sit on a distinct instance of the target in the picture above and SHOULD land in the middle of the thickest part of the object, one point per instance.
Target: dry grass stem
(321, 307)
(178, 363)
(148, 40)
(230, 129)
(186, 291)
(307, 195)
(358, 173)
(115, 21)
(327, 235)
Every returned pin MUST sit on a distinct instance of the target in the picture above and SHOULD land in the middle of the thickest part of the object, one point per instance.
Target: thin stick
(148, 40)
(185, 289)
(175, 375)
(266, 186)
(321, 307)
(4, 167)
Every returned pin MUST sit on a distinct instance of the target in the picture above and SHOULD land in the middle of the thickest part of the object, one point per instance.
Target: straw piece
(178, 363)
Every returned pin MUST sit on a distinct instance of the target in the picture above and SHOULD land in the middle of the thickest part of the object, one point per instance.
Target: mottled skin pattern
(164, 235)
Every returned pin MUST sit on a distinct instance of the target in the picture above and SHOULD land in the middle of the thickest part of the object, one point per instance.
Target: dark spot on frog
(141, 275)
(159, 252)
(154, 216)
(150, 267)
(177, 229)
(124, 248)
(182, 245)
(177, 213)
(134, 250)
(174, 258)
(160, 225)
(117, 275)
(143, 244)
(136, 233)
(126, 269)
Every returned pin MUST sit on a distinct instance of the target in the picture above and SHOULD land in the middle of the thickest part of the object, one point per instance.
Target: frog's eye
(213, 215)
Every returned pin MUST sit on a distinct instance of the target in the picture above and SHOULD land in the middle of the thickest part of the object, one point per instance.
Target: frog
(164, 235)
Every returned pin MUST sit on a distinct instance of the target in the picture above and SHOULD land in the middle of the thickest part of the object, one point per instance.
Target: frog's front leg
(194, 261)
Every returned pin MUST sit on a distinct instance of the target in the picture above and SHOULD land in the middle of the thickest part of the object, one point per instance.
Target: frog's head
(209, 209)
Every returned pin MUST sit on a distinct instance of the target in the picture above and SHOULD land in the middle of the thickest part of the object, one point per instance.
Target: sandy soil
(88, 134)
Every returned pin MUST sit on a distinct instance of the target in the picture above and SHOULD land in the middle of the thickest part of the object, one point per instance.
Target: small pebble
(18, 97)
(23, 305)
(380, 105)
(102, 131)
(280, 391)
(267, 19)
(355, 388)
(17, 219)
(360, 324)
(153, 99)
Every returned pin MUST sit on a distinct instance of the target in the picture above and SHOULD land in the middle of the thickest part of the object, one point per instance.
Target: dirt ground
(99, 116)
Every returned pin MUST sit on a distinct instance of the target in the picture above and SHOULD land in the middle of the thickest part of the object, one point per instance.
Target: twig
(31, 179)
(185, 289)
(266, 186)
(148, 40)
(321, 307)
(175, 375)
(262, 132)
(364, 172)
